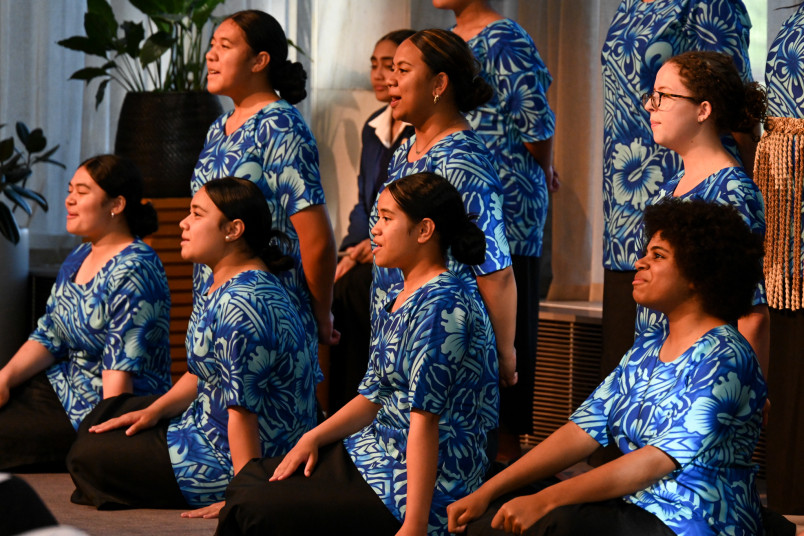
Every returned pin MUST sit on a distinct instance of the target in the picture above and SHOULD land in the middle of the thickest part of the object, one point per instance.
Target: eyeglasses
(655, 98)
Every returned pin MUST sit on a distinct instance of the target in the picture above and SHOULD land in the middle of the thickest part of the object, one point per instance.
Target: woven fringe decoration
(779, 173)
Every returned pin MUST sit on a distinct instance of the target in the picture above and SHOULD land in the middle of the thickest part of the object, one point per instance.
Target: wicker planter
(163, 133)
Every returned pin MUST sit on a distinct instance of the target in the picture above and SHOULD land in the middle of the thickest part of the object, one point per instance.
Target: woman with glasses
(642, 36)
(696, 97)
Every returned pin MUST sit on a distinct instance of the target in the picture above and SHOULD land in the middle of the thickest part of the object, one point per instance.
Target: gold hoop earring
(436, 98)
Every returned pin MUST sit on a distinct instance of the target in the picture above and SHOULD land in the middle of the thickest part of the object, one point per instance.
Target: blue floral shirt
(119, 320)
(729, 186)
(641, 38)
(784, 73)
(517, 113)
(462, 159)
(246, 344)
(704, 410)
(275, 150)
(436, 353)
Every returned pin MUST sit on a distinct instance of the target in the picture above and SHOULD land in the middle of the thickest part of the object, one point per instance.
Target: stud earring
(113, 214)
(226, 238)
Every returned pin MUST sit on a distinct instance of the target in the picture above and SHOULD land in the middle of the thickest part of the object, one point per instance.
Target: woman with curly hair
(684, 405)
(697, 96)
(250, 386)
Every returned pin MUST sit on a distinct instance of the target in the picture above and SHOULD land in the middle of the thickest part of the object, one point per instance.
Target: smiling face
(89, 209)
(675, 123)
(203, 237)
(230, 61)
(411, 86)
(394, 234)
(382, 62)
(659, 283)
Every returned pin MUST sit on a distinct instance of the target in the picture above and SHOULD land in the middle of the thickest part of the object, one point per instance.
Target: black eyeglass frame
(646, 97)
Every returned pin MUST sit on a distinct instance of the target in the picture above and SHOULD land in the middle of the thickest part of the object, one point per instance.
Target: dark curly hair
(241, 199)
(712, 76)
(427, 195)
(714, 250)
(446, 52)
(265, 34)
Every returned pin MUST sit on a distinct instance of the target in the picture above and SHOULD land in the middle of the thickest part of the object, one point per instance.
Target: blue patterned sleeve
(138, 306)
(722, 26)
(593, 414)
(482, 195)
(719, 398)
(521, 80)
(437, 344)
(46, 333)
(290, 161)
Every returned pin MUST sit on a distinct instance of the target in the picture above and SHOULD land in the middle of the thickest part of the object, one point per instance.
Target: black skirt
(35, 432)
(333, 500)
(112, 470)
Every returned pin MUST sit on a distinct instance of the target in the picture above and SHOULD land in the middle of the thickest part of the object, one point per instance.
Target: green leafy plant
(175, 28)
(15, 169)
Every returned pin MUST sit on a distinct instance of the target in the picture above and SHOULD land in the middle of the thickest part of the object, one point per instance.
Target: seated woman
(250, 388)
(105, 329)
(414, 439)
(684, 405)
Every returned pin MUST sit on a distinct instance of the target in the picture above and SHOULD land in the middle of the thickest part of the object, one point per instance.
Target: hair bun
(289, 80)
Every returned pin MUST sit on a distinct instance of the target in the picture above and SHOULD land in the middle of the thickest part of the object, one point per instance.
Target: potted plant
(161, 64)
(15, 169)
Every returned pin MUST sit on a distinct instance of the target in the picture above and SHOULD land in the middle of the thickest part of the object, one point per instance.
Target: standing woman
(780, 176)
(435, 80)
(517, 126)
(413, 440)
(696, 97)
(250, 386)
(382, 135)
(265, 140)
(642, 36)
(105, 329)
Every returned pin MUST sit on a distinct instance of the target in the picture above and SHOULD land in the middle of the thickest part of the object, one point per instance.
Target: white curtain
(338, 37)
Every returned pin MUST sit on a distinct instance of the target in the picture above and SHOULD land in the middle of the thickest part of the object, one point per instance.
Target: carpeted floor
(55, 490)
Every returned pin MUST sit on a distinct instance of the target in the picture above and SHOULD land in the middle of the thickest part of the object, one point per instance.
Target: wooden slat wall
(165, 241)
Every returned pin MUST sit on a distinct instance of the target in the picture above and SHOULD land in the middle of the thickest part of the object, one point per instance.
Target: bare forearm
(116, 382)
(355, 415)
(755, 327)
(498, 290)
(30, 359)
(422, 463)
(542, 152)
(317, 246)
(244, 440)
(178, 398)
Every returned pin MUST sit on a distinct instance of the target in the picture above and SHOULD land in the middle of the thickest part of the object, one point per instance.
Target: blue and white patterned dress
(435, 353)
(117, 321)
(275, 150)
(704, 409)
(729, 186)
(462, 159)
(784, 72)
(247, 346)
(642, 36)
(517, 113)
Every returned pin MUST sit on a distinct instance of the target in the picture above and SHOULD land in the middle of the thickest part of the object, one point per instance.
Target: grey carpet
(55, 491)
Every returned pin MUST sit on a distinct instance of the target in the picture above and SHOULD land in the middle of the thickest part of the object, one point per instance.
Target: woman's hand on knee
(305, 452)
(208, 512)
(462, 511)
(135, 420)
(518, 515)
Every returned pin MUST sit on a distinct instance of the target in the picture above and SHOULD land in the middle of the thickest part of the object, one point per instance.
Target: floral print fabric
(517, 113)
(275, 150)
(784, 72)
(436, 353)
(462, 159)
(703, 409)
(642, 36)
(247, 346)
(729, 186)
(117, 321)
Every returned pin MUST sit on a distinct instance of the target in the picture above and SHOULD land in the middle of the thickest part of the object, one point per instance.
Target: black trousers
(333, 500)
(35, 432)
(21, 509)
(112, 470)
